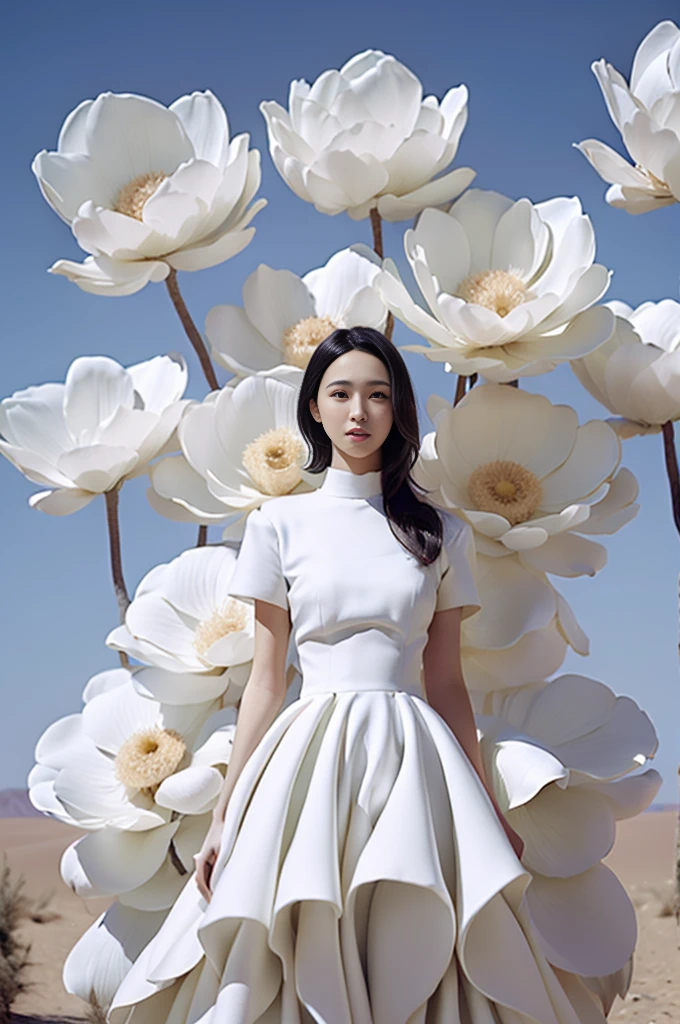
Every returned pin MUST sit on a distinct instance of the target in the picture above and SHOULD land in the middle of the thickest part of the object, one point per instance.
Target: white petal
(115, 862)
(175, 480)
(586, 924)
(103, 955)
(437, 192)
(191, 791)
(160, 892)
(632, 794)
(593, 459)
(274, 301)
(102, 682)
(566, 831)
(97, 467)
(103, 276)
(111, 718)
(236, 344)
(171, 687)
(205, 122)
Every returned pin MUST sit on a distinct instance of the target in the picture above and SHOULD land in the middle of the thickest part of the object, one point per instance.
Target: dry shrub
(41, 913)
(13, 953)
(666, 899)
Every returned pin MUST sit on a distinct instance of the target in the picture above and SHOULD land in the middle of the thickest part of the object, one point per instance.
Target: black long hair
(415, 523)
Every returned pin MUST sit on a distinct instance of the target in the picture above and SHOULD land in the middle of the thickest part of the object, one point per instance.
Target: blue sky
(527, 66)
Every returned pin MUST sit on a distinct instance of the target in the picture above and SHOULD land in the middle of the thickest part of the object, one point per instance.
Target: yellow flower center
(148, 757)
(300, 340)
(507, 489)
(273, 460)
(134, 196)
(499, 290)
(230, 617)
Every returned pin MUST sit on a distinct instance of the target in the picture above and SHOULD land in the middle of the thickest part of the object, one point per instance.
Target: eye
(382, 393)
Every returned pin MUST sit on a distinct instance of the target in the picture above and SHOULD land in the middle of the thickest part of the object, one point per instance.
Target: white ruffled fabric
(363, 878)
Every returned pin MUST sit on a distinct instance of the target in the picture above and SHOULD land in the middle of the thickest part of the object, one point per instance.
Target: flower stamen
(134, 196)
(507, 489)
(229, 617)
(273, 460)
(498, 290)
(300, 340)
(148, 757)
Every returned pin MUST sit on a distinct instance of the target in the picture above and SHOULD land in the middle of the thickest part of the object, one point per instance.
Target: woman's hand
(206, 858)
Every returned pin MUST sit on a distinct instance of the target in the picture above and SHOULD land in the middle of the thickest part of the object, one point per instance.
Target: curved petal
(192, 791)
(114, 862)
(586, 924)
(102, 956)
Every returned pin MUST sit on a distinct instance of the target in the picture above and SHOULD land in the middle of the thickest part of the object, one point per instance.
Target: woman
(358, 869)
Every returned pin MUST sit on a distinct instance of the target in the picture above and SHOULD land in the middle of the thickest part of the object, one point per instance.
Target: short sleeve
(258, 572)
(457, 586)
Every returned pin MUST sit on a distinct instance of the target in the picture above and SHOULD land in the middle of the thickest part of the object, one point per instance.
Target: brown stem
(376, 225)
(174, 859)
(120, 590)
(671, 458)
(460, 389)
(202, 537)
(192, 331)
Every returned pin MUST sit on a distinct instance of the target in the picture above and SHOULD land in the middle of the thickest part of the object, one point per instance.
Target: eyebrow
(334, 382)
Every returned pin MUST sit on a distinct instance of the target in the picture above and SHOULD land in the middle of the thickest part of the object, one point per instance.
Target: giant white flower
(561, 756)
(148, 188)
(102, 426)
(240, 446)
(645, 111)
(509, 288)
(636, 374)
(527, 477)
(364, 138)
(181, 621)
(128, 762)
(555, 750)
(284, 317)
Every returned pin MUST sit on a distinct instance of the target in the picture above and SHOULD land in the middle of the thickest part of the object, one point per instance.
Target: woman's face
(355, 394)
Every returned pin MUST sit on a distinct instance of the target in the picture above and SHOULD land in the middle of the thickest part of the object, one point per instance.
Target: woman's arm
(447, 693)
(261, 702)
(263, 695)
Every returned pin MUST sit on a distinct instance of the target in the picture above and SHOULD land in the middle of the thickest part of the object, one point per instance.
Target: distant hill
(14, 803)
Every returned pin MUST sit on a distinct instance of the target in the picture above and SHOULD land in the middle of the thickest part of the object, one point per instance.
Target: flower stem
(202, 537)
(376, 225)
(671, 457)
(174, 859)
(460, 386)
(192, 331)
(120, 590)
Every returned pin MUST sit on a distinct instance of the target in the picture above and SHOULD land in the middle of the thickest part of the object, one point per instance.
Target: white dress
(363, 875)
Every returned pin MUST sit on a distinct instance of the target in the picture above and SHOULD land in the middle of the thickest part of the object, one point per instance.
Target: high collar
(343, 483)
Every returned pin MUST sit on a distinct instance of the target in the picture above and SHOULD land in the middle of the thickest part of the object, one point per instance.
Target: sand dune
(642, 857)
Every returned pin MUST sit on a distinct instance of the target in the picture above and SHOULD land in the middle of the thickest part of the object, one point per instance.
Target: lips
(358, 433)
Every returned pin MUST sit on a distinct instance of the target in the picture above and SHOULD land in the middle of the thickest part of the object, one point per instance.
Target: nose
(358, 411)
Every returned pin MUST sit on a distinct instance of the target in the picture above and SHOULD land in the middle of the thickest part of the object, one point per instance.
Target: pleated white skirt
(363, 878)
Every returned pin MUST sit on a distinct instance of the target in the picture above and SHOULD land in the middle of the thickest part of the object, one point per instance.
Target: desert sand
(642, 857)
